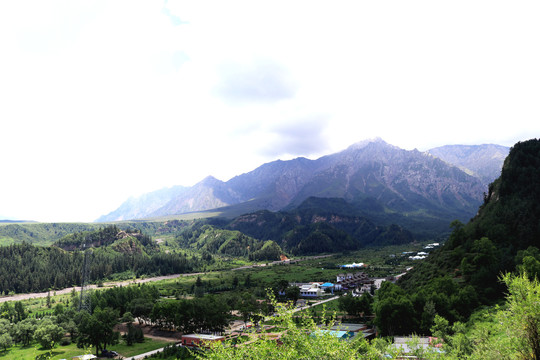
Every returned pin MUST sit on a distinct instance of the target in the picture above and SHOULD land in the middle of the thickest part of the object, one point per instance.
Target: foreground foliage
(510, 332)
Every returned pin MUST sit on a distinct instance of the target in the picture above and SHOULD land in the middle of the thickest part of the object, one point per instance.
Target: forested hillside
(320, 225)
(40, 233)
(28, 268)
(504, 236)
(209, 239)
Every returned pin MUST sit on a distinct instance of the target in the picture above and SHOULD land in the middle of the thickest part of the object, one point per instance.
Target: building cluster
(360, 282)
(344, 331)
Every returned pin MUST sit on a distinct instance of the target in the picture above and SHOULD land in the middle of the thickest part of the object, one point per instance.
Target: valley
(371, 240)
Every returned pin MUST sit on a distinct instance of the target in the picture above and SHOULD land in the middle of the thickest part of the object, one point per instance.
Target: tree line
(27, 268)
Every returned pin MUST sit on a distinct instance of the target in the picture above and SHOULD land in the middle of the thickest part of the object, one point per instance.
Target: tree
(20, 311)
(48, 333)
(356, 306)
(7, 311)
(24, 330)
(394, 312)
(133, 335)
(522, 318)
(292, 293)
(299, 341)
(141, 308)
(5, 341)
(97, 329)
(5, 338)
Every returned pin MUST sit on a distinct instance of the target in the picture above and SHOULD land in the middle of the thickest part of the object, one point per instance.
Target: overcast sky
(103, 100)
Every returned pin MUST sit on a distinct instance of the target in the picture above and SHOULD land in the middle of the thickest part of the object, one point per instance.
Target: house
(311, 290)
(200, 340)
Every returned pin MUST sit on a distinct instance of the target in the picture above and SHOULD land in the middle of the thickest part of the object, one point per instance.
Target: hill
(319, 225)
(40, 233)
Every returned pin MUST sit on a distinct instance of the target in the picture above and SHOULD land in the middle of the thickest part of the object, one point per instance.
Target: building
(353, 265)
(346, 281)
(200, 340)
(311, 290)
(328, 287)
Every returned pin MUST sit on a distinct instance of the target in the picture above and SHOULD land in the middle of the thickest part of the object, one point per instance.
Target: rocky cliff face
(400, 180)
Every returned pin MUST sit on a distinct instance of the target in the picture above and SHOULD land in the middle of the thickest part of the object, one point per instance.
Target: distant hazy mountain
(210, 193)
(144, 205)
(482, 161)
(372, 172)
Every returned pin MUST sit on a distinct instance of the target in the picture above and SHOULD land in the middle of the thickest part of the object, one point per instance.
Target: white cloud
(105, 100)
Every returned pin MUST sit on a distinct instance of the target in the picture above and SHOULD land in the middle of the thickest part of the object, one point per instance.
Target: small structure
(353, 265)
(84, 357)
(342, 335)
(200, 340)
(408, 344)
(328, 287)
(311, 290)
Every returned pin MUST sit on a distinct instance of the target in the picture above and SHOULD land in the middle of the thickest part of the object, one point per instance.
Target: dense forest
(319, 225)
(209, 239)
(465, 273)
(28, 268)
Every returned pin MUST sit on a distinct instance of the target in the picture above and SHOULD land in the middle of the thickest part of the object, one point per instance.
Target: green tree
(300, 341)
(20, 311)
(292, 293)
(522, 317)
(7, 311)
(97, 329)
(394, 312)
(24, 330)
(5, 341)
(48, 333)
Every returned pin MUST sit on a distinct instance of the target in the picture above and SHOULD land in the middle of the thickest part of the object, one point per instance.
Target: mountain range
(378, 178)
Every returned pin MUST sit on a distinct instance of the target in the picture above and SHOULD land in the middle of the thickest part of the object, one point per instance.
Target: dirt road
(19, 297)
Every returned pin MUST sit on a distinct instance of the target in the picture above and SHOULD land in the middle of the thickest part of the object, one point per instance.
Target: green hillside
(503, 236)
(40, 233)
(206, 238)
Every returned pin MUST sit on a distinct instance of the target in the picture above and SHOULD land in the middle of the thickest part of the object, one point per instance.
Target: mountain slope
(393, 179)
(483, 161)
(401, 180)
(319, 225)
(144, 205)
(210, 193)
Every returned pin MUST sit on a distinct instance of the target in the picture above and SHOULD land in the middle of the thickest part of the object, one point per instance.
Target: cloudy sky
(103, 100)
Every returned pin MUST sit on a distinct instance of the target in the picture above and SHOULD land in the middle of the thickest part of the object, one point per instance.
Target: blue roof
(327, 285)
(338, 334)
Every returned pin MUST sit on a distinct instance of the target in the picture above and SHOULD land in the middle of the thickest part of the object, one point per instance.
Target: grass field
(69, 351)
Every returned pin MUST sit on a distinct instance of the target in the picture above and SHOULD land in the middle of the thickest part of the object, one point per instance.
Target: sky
(103, 100)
